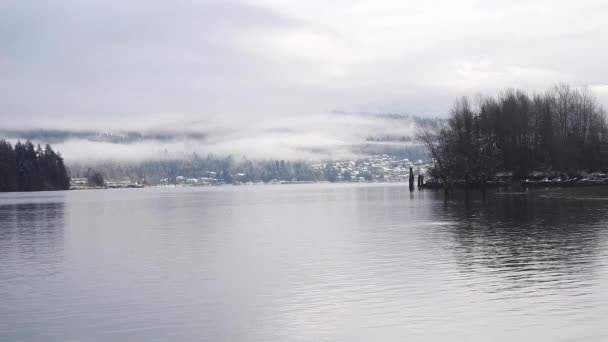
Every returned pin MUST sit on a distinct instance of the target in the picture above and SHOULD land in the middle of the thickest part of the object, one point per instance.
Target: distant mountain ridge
(53, 136)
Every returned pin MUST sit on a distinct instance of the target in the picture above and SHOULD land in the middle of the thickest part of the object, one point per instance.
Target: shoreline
(525, 183)
(429, 185)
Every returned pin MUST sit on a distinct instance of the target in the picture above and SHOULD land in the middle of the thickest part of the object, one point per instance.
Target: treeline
(29, 168)
(563, 129)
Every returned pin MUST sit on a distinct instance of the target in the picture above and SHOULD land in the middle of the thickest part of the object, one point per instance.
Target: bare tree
(436, 141)
(563, 129)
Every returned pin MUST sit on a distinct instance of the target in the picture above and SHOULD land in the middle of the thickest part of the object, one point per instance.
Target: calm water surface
(304, 263)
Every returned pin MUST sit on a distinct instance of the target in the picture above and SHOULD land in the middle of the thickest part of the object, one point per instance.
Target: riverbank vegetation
(29, 168)
(560, 131)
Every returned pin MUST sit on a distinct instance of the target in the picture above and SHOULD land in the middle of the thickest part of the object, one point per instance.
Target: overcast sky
(116, 63)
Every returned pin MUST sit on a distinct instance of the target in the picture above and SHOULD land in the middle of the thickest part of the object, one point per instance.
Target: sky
(151, 64)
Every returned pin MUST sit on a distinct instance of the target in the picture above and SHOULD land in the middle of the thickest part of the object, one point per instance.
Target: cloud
(601, 93)
(154, 64)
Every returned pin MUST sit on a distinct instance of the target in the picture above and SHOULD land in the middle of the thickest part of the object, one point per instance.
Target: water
(303, 263)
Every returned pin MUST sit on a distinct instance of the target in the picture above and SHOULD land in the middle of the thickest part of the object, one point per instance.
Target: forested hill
(57, 136)
(562, 130)
(29, 168)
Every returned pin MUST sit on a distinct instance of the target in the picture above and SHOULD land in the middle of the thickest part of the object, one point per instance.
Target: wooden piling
(411, 179)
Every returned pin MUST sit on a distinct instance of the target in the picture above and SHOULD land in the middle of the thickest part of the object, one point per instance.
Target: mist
(336, 135)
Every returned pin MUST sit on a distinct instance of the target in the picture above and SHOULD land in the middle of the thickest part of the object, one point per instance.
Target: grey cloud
(83, 60)
(254, 70)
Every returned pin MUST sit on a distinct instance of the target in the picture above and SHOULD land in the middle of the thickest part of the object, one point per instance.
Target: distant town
(378, 168)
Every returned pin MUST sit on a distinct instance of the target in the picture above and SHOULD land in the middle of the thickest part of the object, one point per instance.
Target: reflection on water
(308, 263)
(542, 252)
(528, 236)
(31, 242)
(32, 231)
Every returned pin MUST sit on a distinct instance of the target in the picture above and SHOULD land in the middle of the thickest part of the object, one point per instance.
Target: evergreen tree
(29, 168)
(8, 167)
